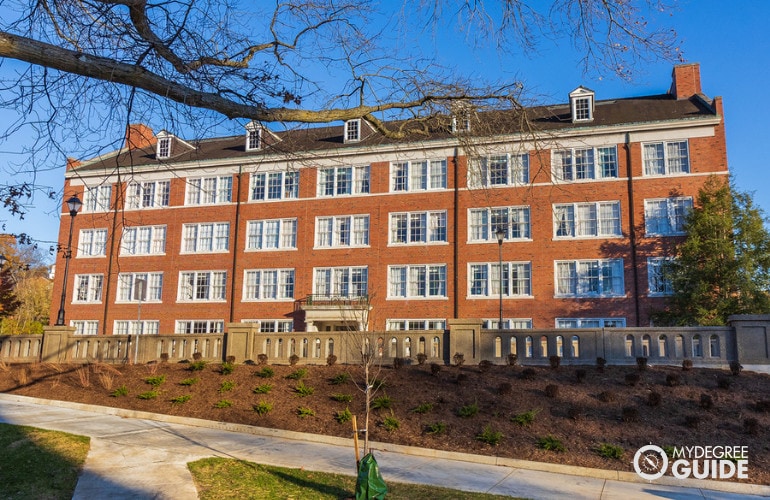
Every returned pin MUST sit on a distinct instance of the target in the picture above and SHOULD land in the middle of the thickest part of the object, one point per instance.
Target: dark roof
(636, 110)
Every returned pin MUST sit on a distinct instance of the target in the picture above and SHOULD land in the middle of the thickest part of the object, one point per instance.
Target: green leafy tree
(722, 267)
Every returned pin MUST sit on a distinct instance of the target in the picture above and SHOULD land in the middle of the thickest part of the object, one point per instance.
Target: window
(483, 223)
(88, 288)
(484, 280)
(500, 170)
(209, 190)
(97, 199)
(268, 284)
(589, 278)
(92, 243)
(200, 326)
(657, 283)
(164, 147)
(271, 234)
(353, 130)
(581, 164)
(341, 281)
(152, 194)
(418, 227)
(340, 181)
(417, 281)
(272, 325)
(85, 327)
(202, 286)
(667, 216)
(418, 175)
(143, 240)
(508, 324)
(586, 220)
(134, 327)
(666, 158)
(128, 287)
(415, 324)
(253, 136)
(582, 109)
(342, 231)
(274, 186)
(590, 322)
(201, 238)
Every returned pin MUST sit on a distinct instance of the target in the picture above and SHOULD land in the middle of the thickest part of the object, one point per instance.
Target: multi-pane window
(585, 220)
(208, 237)
(658, 284)
(92, 243)
(418, 175)
(353, 130)
(342, 231)
(341, 281)
(209, 190)
(151, 194)
(130, 287)
(97, 199)
(666, 158)
(164, 147)
(590, 278)
(135, 327)
(271, 234)
(202, 286)
(418, 227)
(200, 326)
(508, 324)
(500, 170)
(253, 138)
(268, 284)
(85, 327)
(339, 181)
(483, 223)
(415, 324)
(666, 216)
(88, 288)
(143, 240)
(484, 280)
(416, 281)
(577, 164)
(273, 325)
(590, 322)
(582, 108)
(274, 186)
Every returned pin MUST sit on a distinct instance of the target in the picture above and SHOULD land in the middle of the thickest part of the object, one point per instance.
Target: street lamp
(74, 205)
(500, 237)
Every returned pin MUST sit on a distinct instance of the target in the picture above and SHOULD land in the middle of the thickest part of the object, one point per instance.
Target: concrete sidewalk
(143, 455)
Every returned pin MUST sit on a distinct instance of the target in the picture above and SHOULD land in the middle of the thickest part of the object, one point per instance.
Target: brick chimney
(72, 163)
(685, 81)
(139, 135)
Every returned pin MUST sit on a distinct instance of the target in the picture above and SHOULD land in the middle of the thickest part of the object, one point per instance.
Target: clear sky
(731, 41)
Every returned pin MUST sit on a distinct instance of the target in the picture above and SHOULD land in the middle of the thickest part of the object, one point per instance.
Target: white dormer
(581, 103)
(164, 145)
(253, 136)
(352, 131)
(462, 123)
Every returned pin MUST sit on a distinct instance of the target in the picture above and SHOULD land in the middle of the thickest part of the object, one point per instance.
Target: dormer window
(164, 145)
(582, 104)
(353, 130)
(461, 124)
(253, 137)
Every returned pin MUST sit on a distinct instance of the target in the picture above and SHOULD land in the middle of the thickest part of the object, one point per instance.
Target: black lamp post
(74, 205)
(500, 237)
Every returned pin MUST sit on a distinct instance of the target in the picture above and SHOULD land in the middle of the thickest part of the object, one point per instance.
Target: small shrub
(630, 414)
(751, 426)
(265, 372)
(340, 378)
(226, 385)
(485, 365)
(297, 374)
(505, 388)
(554, 361)
(421, 358)
(435, 428)
(164, 357)
(490, 437)
(293, 359)
(181, 399)
(263, 408)
(526, 418)
(303, 390)
(762, 406)
(458, 359)
(343, 416)
(600, 364)
(528, 373)
(692, 421)
(423, 408)
(607, 396)
(551, 443)
(611, 451)
(435, 368)
(262, 359)
(398, 363)
(378, 384)
(724, 382)
(468, 411)
(223, 403)
(120, 391)
(390, 423)
(706, 401)
(303, 412)
(551, 390)
(263, 389)
(155, 381)
(227, 368)
(230, 359)
(575, 412)
(197, 356)
(149, 395)
(381, 402)
(673, 380)
(632, 379)
(189, 381)
(654, 398)
(735, 368)
(342, 398)
(580, 375)
(197, 366)
(513, 359)
(461, 377)
(686, 365)
(331, 360)
(641, 363)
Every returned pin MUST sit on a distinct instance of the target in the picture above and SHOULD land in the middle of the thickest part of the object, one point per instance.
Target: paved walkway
(142, 455)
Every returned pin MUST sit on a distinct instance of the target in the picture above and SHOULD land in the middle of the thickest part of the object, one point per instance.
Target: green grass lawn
(39, 464)
(221, 478)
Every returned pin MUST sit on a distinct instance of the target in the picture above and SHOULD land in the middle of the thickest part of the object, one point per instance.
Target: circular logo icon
(650, 462)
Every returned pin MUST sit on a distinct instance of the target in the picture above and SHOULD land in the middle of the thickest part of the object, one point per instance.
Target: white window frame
(92, 243)
(516, 170)
(192, 289)
(508, 323)
(657, 285)
(86, 327)
(136, 327)
(661, 159)
(206, 237)
(414, 325)
(587, 220)
(203, 326)
(268, 285)
(262, 185)
(484, 280)
(343, 181)
(143, 240)
(97, 198)
(253, 137)
(418, 175)
(417, 228)
(584, 164)
(672, 222)
(484, 222)
(126, 292)
(342, 231)
(271, 234)
(582, 108)
(164, 147)
(589, 278)
(212, 190)
(342, 281)
(272, 325)
(88, 289)
(417, 281)
(148, 194)
(352, 130)
(564, 323)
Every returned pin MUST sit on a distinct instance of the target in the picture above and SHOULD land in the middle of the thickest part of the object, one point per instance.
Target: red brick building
(302, 230)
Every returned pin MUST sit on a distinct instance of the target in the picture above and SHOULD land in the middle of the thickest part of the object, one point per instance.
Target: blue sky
(732, 45)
